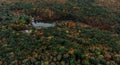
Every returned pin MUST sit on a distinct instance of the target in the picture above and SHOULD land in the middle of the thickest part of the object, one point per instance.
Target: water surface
(42, 24)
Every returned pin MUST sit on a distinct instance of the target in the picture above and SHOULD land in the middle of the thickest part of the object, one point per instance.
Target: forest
(59, 32)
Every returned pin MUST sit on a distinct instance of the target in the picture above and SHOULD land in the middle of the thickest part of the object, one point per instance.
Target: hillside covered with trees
(59, 32)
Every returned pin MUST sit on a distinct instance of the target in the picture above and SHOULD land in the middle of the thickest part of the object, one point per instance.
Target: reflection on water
(42, 24)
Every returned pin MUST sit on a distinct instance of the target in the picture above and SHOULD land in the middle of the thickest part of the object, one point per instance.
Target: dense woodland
(86, 32)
